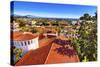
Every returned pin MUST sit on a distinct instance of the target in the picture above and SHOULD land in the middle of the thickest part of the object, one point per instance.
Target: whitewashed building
(15, 26)
(25, 40)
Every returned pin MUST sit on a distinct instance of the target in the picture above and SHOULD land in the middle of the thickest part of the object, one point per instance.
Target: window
(28, 42)
(25, 43)
(22, 43)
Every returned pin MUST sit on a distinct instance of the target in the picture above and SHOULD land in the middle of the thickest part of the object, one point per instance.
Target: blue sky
(51, 10)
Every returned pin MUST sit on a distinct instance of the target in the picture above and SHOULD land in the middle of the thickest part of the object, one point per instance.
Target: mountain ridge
(31, 16)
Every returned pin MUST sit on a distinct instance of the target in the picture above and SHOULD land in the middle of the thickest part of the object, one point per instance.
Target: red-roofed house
(25, 40)
(45, 55)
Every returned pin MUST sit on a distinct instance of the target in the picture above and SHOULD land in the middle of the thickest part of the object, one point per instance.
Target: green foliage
(86, 44)
(25, 29)
(55, 23)
(45, 24)
(29, 29)
(22, 24)
(20, 21)
(18, 53)
(86, 17)
(33, 30)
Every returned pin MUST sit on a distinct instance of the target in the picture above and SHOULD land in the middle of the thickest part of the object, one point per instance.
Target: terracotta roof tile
(46, 55)
(37, 56)
(16, 34)
(45, 41)
(22, 36)
(54, 57)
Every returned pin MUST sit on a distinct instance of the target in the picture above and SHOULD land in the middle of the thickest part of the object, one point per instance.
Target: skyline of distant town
(51, 10)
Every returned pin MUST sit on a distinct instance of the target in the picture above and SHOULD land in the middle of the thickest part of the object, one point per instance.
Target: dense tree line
(86, 44)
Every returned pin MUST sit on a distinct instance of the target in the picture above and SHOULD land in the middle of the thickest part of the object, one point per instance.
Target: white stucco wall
(34, 44)
(54, 34)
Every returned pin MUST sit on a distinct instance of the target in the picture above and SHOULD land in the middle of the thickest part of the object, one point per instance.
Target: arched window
(28, 42)
(22, 43)
(25, 43)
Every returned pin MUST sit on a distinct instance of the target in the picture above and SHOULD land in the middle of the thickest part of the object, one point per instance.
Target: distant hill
(30, 16)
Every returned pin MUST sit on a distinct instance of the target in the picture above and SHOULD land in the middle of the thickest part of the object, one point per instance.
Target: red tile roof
(45, 41)
(22, 36)
(15, 34)
(45, 55)
(37, 56)
(54, 57)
